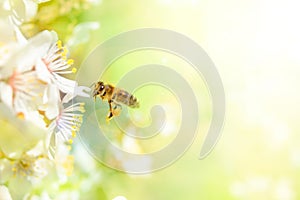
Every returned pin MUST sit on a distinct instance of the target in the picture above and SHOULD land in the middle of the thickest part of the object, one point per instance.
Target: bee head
(99, 88)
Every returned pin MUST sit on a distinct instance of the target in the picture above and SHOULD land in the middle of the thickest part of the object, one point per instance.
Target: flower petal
(81, 91)
(35, 49)
(17, 134)
(65, 85)
(18, 187)
(6, 94)
(5, 171)
(42, 71)
(51, 100)
(4, 193)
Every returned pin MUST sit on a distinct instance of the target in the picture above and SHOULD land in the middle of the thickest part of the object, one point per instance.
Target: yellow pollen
(70, 141)
(64, 57)
(74, 70)
(73, 134)
(69, 147)
(70, 62)
(81, 108)
(64, 52)
(74, 128)
(59, 44)
(21, 115)
(14, 169)
(68, 165)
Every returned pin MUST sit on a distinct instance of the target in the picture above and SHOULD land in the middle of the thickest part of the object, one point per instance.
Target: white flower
(64, 161)
(22, 147)
(53, 64)
(31, 81)
(32, 84)
(23, 10)
(22, 91)
(4, 193)
(51, 99)
(17, 134)
(81, 91)
(20, 86)
(68, 122)
(66, 125)
(23, 172)
(8, 40)
(23, 156)
(32, 164)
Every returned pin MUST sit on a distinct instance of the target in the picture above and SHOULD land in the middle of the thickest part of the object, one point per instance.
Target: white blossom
(65, 126)
(68, 122)
(4, 193)
(54, 64)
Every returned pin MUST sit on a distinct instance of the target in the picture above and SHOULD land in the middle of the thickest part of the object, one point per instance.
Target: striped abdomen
(124, 97)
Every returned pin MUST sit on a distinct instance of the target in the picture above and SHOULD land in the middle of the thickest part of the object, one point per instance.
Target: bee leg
(109, 117)
(116, 109)
(110, 114)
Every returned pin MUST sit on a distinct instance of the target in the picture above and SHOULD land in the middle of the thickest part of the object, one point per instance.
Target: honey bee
(115, 97)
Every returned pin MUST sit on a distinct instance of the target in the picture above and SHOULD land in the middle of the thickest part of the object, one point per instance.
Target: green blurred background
(255, 47)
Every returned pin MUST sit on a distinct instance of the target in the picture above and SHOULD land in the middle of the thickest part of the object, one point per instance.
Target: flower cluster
(38, 116)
